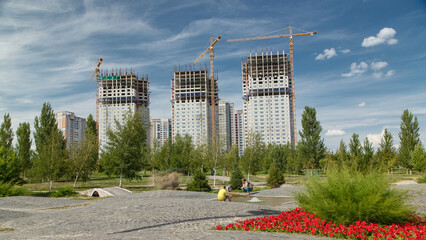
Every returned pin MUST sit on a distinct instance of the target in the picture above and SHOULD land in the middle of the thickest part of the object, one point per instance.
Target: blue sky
(364, 67)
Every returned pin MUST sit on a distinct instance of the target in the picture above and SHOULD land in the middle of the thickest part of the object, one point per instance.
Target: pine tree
(275, 176)
(23, 147)
(386, 151)
(199, 183)
(355, 150)
(366, 160)
(311, 144)
(342, 154)
(409, 137)
(123, 153)
(6, 132)
(251, 160)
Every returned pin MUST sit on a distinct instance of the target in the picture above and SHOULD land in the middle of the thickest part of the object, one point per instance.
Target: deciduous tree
(23, 147)
(6, 132)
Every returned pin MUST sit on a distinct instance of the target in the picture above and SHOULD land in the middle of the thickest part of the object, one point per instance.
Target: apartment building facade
(72, 127)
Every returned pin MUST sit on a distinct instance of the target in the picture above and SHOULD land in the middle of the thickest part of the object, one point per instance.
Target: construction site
(192, 103)
(118, 93)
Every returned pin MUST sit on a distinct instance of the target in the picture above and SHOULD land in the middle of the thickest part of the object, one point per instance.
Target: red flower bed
(299, 221)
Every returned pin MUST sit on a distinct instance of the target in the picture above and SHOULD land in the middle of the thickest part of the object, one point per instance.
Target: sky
(366, 65)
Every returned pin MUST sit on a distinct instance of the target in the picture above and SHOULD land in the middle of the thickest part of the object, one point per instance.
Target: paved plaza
(146, 215)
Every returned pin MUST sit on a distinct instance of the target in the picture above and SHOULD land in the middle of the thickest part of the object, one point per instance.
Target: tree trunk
(388, 172)
(153, 177)
(411, 172)
(51, 184)
(142, 175)
(75, 181)
(223, 176)
(121, 180)
(187, 179)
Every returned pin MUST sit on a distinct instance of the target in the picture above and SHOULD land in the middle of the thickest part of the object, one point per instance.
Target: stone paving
(146, 215)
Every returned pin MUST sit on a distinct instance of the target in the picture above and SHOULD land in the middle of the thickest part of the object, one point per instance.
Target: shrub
(7, 190)
(199, 183)
(346, 197)
(275, 176)
(170, 181)
(422, 179)
(236, 176)
(64, 192)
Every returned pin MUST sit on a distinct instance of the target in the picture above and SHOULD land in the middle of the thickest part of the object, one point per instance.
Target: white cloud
(24, 100)
(386, 35)
(378, 74)
(390, 73)
(378, 65)
(375, 138)
(344, 51)
(328, 53)
(356, 69)
(335, 132)
(361, 104)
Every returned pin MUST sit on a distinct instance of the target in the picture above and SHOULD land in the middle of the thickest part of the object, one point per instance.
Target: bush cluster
(236, 176)
(7, 190)
(170, 181)
(64, 192)
(275, 176)
(346, 197)
(422, 179)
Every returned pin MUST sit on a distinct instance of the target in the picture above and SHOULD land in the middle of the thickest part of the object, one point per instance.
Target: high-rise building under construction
(191, 104)
(117, 94)
(267, 97)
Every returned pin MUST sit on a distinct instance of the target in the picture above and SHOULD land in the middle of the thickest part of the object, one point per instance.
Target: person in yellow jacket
(224, 193)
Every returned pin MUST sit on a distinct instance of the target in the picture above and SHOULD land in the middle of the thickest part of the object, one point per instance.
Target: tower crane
(212, 90)
(96, 72)
(291, 35)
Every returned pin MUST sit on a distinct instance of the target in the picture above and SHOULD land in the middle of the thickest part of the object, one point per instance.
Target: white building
(267, 97)
(161, 131)
(72, 127)
(239, 131)
(226, 129)
(191, 105)
(117, 94)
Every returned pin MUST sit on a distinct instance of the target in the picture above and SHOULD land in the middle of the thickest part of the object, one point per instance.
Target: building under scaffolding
(267, 97)
(191, 105)
(117, 94)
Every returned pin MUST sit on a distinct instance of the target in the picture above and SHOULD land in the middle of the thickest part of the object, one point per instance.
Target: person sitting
(247, 186)
(224, 193)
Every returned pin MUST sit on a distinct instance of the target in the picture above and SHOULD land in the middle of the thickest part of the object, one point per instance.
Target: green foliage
(345, 197)
(236, 176)
(84, 158)
(170, 181)
(23, 147)
(8, 190)
(51, 160)
(386, 153)
(312, 148)
(422, 179)
(355, 151)
(277, 154)
(6, 132)
(123, 154)
(91, 126)
(9, 168)
(251, 160)
(365, 161)
(275, 176)
(64, 192)
(418, 157)
(409, 137)
(199, 183)
(342, 154)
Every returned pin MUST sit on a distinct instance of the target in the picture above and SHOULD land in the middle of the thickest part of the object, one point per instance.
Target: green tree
(276, 154)
(342, 154)
(23, 147)
(51, 161)
(418, 157)
(312, 148)
(9, 168)
(122, 155)
(84, 158)
(409, 137)
(6, 132)
(275, 176)
(355, 150)
(91, 126)
(251, 160)
(386, 152)
(364, 162)
(236, 175)
(199, 183)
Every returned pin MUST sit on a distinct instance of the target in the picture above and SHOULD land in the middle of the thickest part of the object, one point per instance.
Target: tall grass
(346, 196)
